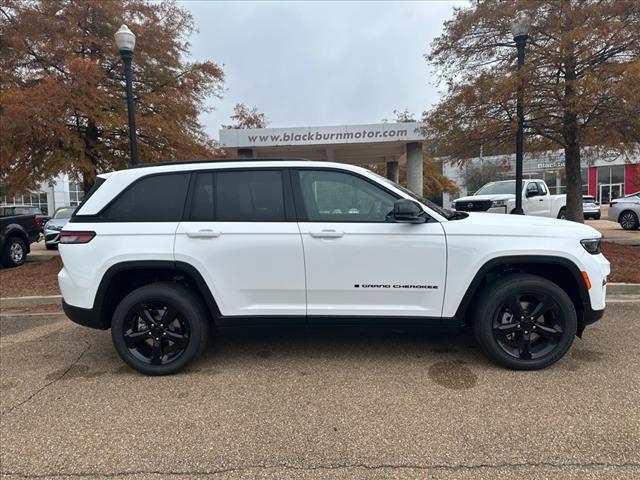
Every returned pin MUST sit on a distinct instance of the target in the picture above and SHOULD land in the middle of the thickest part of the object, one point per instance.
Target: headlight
(499, 203)
(592, 245)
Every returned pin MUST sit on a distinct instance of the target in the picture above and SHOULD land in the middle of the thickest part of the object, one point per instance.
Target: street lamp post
(520, 30)
(126, 41)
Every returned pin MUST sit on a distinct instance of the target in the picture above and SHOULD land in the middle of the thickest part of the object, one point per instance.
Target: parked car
(17, 233)
(626, 211)
(53, 227)
(500, 197)
(590, 207)
(12, 210)
(161, 254)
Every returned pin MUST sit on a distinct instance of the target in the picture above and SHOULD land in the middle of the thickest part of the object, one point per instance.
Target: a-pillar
(414, 167)
(393, 171)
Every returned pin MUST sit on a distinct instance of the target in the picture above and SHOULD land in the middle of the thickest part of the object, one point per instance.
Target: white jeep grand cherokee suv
(162, 254)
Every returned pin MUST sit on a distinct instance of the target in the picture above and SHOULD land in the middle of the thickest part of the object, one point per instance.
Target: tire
(14, 253)
(562, 214)
(51, 247)
(181, 336)
(503, 338)
(628, 220)
(597, 216)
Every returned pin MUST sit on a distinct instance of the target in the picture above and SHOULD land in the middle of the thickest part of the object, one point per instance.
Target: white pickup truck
(500, 197)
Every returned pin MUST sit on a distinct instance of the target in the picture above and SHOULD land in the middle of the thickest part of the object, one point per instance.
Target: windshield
(63, 213)
(445, 212)
(498, 188)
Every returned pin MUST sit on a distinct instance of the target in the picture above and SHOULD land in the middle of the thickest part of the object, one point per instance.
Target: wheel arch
(624, 210)
(122, 278)
(15, 230)
(559, 270)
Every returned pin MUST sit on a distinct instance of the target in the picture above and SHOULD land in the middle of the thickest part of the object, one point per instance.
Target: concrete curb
(613, 289)
(30, 301)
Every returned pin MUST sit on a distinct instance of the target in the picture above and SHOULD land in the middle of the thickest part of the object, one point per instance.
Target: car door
(357, 262)
(530, 199)
(544, 200)
(241, 235)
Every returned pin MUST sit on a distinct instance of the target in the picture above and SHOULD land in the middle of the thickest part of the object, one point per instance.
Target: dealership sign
(272, 137)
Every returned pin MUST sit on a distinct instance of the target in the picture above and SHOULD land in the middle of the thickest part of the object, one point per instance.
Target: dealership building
(381, 143)
(603, 176)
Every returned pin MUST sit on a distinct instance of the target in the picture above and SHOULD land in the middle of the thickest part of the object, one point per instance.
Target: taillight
(612, 203)
(38, 223)
(76, 237)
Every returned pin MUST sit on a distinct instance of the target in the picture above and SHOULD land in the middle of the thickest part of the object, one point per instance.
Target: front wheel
(160, 328)
(628, 220)
(524, 322)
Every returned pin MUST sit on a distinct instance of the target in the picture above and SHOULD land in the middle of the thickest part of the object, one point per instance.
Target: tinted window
(241, 196)
(158, 198)
(340, 197)
(202, 202)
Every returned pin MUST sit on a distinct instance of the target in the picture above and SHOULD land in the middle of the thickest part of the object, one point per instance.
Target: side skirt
(333, 321)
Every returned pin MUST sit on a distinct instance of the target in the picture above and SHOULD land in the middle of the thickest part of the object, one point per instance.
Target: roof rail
(187, 162)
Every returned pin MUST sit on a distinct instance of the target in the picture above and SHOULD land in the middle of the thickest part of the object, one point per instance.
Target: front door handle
(205, 233)
(327, 234)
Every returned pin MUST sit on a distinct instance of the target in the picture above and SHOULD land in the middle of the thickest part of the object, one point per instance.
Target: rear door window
(238, 196)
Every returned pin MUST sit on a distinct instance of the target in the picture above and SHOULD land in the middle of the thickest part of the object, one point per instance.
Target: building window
(75, 194)
(33, 199)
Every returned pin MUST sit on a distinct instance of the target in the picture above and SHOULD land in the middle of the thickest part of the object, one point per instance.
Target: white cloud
(319, 63)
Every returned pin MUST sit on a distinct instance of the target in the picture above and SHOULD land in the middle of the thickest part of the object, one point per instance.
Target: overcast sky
(319, 63)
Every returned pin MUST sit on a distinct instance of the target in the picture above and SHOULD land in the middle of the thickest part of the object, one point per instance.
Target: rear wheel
(14, 253)
(524, 322)
(628, 220)
(562, 214)
(160, 328)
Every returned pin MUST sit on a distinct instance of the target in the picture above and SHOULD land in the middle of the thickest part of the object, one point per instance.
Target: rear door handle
(327, 234)
(205, 233)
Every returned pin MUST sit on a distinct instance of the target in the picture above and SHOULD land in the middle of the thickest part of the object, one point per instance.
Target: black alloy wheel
(524, 321)
(155, 334)
(159, 328)
(528, 326)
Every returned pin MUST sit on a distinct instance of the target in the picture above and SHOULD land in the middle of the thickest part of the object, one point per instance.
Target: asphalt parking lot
(319, 404)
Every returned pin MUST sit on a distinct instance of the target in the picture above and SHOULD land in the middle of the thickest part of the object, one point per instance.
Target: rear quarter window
(155, 198)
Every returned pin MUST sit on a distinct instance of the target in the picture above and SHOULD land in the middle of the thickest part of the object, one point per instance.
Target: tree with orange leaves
(581, 81)
(63, 104)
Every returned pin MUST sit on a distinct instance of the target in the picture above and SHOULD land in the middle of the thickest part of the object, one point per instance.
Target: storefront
(604, 177)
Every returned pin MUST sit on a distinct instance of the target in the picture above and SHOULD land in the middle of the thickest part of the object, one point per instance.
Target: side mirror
(407, 211)
(531, 193)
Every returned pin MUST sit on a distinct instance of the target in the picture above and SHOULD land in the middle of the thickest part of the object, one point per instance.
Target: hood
(525, 225)
(497, 196)
(57, 222)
